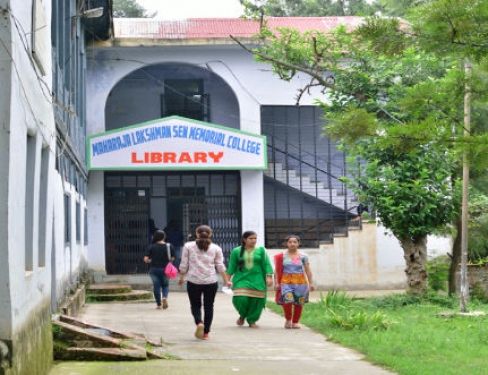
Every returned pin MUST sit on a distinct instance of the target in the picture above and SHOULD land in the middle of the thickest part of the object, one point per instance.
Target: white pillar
(252, 184)
(252, 203)
(96, 222)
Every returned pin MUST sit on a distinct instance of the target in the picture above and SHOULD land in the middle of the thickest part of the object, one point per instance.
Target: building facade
(43, 192)
(152, 70)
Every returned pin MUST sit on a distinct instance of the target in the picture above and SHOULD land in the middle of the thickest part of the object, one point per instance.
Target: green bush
(478, 226)
(343, 312)
(478, 293)
(394, 301)
(438, 273)
(335, 299)
(360, 320)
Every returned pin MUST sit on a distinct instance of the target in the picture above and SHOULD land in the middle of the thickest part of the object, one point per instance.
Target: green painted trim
(88, 154)
(179, 169)
(146, 123)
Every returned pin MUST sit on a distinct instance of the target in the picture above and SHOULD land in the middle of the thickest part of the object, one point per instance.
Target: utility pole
(464, 209)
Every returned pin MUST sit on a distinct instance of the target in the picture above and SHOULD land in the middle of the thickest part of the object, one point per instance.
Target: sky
(180, 9)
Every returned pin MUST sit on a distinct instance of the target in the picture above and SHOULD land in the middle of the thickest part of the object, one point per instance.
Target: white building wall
(30, 113)
(69, 258)
(27, 109)
(6, 71)
(370, 258)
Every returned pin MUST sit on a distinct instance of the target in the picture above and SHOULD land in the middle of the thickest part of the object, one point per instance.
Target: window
(185, 97)
(67, 218)
(30, 173)
(78, 222)
(43, 194)
(303, 192)
(85, 227)
(40, 50)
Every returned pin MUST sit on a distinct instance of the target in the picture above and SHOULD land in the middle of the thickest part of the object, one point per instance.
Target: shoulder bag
(170, 271)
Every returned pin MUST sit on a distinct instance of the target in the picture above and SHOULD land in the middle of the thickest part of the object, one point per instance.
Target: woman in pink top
(200, 262)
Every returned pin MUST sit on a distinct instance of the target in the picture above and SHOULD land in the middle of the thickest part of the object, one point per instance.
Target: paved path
(230, 350)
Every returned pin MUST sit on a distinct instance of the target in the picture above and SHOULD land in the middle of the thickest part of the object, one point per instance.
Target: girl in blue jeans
(157, 257)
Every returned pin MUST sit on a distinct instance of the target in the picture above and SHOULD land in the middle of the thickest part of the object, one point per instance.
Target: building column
(252, 184)
(96, 222)
(97, 89)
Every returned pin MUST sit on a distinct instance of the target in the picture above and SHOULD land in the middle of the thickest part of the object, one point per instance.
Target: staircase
(116, 292)
(329, 206)
(316, 189)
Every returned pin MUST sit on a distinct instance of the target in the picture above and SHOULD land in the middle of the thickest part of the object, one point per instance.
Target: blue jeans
(160, 282)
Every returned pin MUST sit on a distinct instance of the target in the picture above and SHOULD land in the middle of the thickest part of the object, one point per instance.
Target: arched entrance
(137, 202)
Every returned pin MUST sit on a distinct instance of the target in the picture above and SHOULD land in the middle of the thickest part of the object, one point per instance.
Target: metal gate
(222, 214)
(126, 230)
(133, 199)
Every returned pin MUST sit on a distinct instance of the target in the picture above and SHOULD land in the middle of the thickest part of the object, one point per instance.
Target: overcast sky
(178, 9)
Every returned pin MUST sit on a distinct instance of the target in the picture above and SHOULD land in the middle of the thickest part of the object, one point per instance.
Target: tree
(397, 8)
(457, 29)
(390, 113)
(417, 113)
(448, 29)
(130, 9)
(311, 8)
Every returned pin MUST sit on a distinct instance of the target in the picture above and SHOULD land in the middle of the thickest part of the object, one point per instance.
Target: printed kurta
(294, 284)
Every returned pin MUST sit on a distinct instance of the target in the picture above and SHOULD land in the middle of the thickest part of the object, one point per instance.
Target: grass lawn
(404, 333)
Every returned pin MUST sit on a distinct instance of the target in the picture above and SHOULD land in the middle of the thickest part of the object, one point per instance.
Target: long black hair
(244, 237)
(204, 235)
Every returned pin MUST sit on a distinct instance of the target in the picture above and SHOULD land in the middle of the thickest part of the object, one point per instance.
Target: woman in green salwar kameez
(251, 273)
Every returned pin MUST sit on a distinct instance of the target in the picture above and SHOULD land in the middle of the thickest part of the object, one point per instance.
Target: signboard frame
(176, 167)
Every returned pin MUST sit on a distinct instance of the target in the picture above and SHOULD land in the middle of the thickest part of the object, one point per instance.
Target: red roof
(221, 28)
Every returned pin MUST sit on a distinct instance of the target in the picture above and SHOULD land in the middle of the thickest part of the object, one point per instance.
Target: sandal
(253, 325)
(240, 321)
(199, 331)
(296, 326)
(288, 324)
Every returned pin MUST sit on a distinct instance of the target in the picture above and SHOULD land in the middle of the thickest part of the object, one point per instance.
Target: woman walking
(293, 281)
(251, 273)
(200, 261)
(158, 255)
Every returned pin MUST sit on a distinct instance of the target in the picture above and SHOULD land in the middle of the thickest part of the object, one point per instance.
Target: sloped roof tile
(221, 28)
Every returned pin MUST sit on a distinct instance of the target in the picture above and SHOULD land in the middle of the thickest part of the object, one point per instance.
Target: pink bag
(170, 271)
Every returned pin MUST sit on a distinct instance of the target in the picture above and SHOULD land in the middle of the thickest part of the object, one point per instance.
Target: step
(103, 354)
(134, 295)
(109, 289)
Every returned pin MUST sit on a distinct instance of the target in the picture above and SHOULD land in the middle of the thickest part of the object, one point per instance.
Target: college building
(111, 128)
(163, 97)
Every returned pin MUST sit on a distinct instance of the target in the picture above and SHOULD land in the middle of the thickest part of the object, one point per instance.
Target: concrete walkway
(231, 349)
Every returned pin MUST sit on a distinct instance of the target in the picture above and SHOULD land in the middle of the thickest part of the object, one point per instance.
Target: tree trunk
(415, 254)
(455, 258)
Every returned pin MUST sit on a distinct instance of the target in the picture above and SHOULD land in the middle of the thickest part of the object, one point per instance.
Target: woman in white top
(200, 262)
